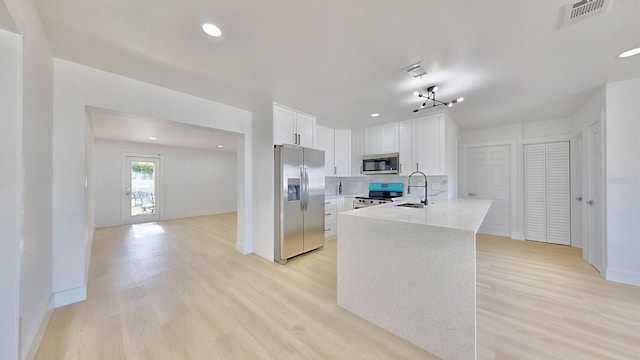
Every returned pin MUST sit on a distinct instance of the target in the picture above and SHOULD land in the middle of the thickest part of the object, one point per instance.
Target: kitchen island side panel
(416, 281)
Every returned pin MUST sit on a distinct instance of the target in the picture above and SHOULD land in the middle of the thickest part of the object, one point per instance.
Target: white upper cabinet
(356, 152)
(292, 127)
(429, 144)
(381, 139)
(337, 150)
(370, 141)
(405, 147)
(342, 152)
(326, 142)
(304, 128)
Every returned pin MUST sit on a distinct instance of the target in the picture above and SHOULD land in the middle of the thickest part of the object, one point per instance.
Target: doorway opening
(141, 189)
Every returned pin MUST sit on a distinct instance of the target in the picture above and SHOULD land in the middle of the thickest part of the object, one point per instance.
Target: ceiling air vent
(583, 9)
(416, 70)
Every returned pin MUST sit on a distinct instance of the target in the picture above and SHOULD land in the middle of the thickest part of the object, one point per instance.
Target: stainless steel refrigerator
(299, 201)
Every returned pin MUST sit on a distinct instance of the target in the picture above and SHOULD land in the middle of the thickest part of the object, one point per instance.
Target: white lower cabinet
(332, 207)
(330, 218)
(347, 204)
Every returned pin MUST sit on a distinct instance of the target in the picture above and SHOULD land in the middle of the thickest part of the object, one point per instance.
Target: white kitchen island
(413, 271)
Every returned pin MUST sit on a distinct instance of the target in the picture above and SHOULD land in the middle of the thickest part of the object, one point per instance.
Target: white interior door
(575, 152)
(141, 195)
(488, 170)
(535, 192)
(594, 201)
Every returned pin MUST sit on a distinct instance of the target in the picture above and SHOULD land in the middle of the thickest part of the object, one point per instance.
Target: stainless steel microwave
(380, 164)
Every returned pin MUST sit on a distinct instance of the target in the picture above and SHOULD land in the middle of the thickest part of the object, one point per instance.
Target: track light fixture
(431, 101)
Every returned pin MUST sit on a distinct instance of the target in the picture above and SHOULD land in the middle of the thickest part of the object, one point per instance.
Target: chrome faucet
(425, 186)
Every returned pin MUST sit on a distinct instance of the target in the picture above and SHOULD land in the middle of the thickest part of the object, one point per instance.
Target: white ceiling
(113, 125)
(343, 59)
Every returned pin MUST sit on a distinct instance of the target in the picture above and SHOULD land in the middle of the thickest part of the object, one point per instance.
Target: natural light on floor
(142, 230)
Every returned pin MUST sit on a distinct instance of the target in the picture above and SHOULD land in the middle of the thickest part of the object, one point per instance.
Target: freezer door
(314, 214)
(292, 200)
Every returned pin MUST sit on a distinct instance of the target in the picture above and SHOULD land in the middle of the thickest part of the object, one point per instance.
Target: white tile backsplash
(438, 185)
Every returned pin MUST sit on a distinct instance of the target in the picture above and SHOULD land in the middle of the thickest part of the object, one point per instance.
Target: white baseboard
(70, 296)
(623, 276)
(517, 236)
(36, 338)
(240, 248)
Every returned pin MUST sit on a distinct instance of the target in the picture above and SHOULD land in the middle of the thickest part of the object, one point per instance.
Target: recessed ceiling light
(221, 146)
(631, 52)
(375, 115)
(212, 30)
(152, 138)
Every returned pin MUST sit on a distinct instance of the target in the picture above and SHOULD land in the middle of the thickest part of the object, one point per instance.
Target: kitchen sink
(412, 205)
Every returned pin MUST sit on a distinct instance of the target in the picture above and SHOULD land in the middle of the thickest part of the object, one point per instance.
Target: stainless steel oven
(379, 193)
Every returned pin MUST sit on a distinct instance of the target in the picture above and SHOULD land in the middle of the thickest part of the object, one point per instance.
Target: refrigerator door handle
(306, 189)
(302, 190)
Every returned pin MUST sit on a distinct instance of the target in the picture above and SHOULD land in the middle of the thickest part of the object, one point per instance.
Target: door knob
(472, 194)
(579, 198)
(589, 202)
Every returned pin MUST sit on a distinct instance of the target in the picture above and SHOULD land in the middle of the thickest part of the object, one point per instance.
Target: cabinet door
(371, 141)
(405, 147)
(348, 203)
(429, 144)
(356, 152)
(325, 142)
(330, 217)
(342, 154)
(388, 136)
(284, 124)
(304, 127)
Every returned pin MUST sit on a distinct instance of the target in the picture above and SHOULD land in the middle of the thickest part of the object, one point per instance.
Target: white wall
(10, 190)
(76, 87)
(193, 182)
(263, 159)
(35, 171)
(623, 181)
(89, 193)
(517, 135)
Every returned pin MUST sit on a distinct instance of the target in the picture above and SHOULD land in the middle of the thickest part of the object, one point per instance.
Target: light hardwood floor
(178, 290)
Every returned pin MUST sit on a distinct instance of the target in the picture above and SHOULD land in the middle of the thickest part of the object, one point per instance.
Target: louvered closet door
(535, 192)
(547, 192)
(558, 196)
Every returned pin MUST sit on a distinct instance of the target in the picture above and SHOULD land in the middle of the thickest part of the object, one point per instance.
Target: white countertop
(341, 196)
(463, 214)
